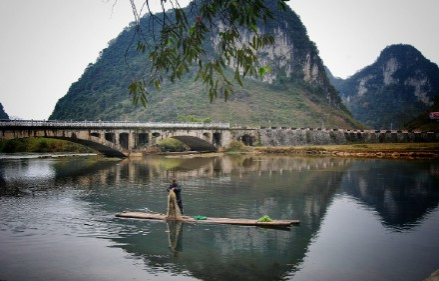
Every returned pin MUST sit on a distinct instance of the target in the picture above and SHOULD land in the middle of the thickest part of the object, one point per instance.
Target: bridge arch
(111, 137)
(217, 139)
(142, 139)
(124, 140)
(248, 140)
(106, 150)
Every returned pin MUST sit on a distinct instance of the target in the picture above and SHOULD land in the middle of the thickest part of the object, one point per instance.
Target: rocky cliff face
(295, 56)
(3, 114)
(295, 93)
(400, 85)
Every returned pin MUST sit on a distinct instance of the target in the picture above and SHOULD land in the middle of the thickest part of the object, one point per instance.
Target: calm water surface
(360, 219)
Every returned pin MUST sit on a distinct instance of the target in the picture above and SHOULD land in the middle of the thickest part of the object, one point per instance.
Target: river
(361, 219)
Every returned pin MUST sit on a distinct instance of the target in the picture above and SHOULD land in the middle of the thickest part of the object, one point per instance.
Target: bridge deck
(110, 124)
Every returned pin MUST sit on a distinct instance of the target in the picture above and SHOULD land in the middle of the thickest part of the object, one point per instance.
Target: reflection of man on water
(176, 187)
(175, 236)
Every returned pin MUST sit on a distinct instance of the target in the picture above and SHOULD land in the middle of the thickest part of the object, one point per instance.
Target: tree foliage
(176, 43)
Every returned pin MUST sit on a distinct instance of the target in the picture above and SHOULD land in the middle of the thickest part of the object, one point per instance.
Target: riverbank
(386, 150)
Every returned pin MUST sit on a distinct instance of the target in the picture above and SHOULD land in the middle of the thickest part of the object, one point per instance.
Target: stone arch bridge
(122, 139)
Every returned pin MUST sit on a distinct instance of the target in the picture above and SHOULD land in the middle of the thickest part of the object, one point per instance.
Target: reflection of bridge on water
(188, 168)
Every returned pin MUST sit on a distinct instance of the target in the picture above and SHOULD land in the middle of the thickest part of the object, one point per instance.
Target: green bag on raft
(200, 218)
(265, 219)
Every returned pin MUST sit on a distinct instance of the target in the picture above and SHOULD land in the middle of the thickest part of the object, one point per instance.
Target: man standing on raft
(176, 187)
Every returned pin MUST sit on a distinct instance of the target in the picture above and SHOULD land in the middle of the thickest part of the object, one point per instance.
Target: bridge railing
(106, 124)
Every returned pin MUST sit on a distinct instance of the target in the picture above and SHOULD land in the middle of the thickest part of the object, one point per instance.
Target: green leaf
(138, 91)
(141, 47)
(263, 70)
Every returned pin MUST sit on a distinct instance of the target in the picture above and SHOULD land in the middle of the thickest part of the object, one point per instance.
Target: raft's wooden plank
(142, 215)
(249, 222)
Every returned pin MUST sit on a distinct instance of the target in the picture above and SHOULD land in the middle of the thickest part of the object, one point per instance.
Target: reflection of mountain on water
(402, 200)
(235, 187)
(21, 177)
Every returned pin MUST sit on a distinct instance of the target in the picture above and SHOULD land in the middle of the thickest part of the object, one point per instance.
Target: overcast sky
(47, 44)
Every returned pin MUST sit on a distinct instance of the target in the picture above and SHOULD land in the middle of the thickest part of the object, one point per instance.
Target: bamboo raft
(245, 222)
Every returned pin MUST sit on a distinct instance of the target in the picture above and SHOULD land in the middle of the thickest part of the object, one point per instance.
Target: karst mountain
(388, 94)
(296, 93)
